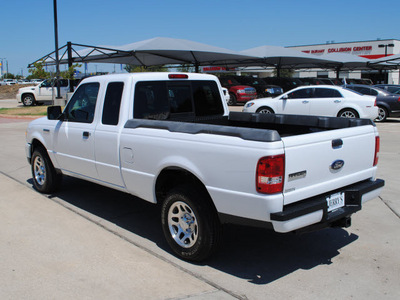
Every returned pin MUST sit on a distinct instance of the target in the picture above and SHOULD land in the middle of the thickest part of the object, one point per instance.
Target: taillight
(375, 102)
(270, 174)
(377, 148)
(398, 100)
(178, 76)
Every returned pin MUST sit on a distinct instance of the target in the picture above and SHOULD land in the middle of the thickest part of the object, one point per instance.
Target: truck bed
(264, 127)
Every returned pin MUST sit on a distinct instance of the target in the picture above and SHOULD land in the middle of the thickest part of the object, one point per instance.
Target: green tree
(284, 72)
(69, 74)
(185, 68)
(135, 69)
(37, 71)
(9, 76)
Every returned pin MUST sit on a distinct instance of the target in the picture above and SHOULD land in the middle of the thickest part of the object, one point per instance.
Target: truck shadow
(257, 255)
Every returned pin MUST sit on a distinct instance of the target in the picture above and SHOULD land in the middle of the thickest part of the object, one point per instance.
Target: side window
(112, 103)
(300, 94)
(327, 93)
(82, 105)
(373, 92)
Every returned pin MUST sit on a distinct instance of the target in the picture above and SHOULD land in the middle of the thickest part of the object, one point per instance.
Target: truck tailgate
(320, 162)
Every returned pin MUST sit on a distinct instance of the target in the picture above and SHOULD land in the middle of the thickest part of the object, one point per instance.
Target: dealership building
(367, 49)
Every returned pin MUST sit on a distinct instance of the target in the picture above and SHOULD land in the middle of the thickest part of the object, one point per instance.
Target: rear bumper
(313, 213)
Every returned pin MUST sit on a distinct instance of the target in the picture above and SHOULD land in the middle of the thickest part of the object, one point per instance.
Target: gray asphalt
(87, 241)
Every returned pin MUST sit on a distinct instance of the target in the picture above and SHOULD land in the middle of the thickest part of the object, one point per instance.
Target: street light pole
(56, 44)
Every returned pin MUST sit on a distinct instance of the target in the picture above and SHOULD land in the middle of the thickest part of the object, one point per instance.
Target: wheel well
(171, 177)
(36, 144)
(24, 94)
(262, 107)
(349, 109)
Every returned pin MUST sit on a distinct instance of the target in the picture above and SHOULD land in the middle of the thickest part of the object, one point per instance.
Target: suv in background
(286, 83)
(237, 91)
(263, 89)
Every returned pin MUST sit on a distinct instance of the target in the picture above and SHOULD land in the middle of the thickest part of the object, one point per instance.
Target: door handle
(86, 134)
(305, 101)
(337, 101)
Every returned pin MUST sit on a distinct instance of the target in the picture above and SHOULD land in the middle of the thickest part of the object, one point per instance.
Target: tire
(265, 110)
(382, 114)
(348, 113)
(190, 223)
(28, 100)
(232, 99)
(45, 177)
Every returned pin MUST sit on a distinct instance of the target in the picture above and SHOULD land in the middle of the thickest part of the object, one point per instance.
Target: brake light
(178, 76)
(398, 100)
(270, 174)
(377, 148)
(375, 102)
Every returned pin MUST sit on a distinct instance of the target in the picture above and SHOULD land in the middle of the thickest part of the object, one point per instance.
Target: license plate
(335, 201)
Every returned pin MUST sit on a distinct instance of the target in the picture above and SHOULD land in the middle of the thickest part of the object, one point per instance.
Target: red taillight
(375, 102)
(377, 148)
(270, 174)
(398, 100)
(178, 76)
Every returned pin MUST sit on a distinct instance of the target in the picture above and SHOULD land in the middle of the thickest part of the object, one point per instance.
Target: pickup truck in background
(237, 92)
(169, 138)
(44, 92)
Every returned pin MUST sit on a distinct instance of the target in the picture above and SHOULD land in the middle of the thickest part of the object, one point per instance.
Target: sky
(27, 31)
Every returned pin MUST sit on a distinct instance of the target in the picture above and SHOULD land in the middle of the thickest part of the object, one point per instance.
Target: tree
(135, 69)
(37, 71)
(185, 68)
(284, 72)
(69, 74)
(8, 76)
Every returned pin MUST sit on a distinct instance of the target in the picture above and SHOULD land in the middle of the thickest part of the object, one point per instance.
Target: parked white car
(320, 100)
(226, 94)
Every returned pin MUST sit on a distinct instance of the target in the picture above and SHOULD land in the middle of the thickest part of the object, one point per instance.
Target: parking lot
(87, 241)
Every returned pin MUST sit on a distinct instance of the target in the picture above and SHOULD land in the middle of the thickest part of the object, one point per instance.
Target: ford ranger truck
(169, 138)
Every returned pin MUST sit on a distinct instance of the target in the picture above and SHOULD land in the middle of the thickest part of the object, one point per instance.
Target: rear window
(168, 99)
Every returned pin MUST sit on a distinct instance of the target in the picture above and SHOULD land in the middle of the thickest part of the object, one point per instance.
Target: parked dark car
(263, 89)
(364, 81)
(285, 83)
(391, 88)
(388, 103)
(316, 81)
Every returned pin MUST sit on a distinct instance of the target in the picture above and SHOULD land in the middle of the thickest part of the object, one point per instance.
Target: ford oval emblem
(337, 165)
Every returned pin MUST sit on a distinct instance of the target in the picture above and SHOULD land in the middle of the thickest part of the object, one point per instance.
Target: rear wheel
(45, 177)
(348, 113)
(382, 114)
(265, 110)
(190, 223)
(28, 100)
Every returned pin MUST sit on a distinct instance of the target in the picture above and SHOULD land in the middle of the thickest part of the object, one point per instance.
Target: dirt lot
(10, 91)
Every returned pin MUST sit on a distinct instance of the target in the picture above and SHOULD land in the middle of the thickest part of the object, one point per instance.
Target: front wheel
(45, 177)
(348, 113)
(232, 99)
(190, 223)
(28, 100)
(382, 114)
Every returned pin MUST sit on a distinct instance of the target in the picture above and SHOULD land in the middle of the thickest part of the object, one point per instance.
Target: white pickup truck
(170, 139)
(43, 92)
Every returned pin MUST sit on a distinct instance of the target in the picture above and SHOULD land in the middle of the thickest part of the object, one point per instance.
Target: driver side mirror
(54, 113)
(284, 97)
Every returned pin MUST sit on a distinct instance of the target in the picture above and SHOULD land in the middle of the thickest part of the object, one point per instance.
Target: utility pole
(56, 44)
